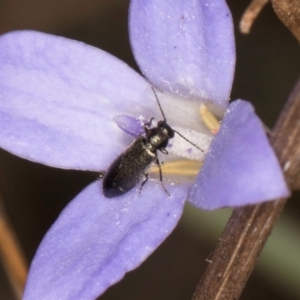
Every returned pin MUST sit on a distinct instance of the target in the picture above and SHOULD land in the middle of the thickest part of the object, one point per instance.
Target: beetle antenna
(158, 103)
(188, 140)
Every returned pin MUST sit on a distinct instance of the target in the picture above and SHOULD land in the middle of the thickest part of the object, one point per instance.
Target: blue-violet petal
(58, 98)
(186, 48)
(241, 167)
(96, 240)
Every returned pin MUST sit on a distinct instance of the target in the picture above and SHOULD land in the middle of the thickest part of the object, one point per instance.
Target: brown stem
(12, 256)
(288, 12)
(249, 227)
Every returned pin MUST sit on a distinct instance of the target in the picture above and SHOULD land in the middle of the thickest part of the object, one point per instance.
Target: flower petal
(185, 47)
(96, 240)
(240, 167)
(58, 98)
(130, 125)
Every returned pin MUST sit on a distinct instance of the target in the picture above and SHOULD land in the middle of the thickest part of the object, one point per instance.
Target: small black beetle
(127, 170)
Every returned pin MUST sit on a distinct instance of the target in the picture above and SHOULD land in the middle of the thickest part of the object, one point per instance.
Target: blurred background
(268, 64)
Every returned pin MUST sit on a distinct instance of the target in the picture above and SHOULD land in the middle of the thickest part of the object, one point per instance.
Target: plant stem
(11, 255)
(249, 227)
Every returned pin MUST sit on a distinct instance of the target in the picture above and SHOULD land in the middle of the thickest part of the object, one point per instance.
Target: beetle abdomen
(127, 170)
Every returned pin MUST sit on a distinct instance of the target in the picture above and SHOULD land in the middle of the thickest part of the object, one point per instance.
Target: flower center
(192, 160)
(188, 167)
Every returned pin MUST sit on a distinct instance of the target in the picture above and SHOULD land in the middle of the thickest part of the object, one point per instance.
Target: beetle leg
(143, 183)
(163, 150)
(147, 126)
(160, 176)
(149, 123)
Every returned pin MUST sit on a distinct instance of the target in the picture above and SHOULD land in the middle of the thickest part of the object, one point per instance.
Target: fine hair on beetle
(128, 168)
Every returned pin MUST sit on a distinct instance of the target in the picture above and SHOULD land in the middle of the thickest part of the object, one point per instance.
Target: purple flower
(62, 103)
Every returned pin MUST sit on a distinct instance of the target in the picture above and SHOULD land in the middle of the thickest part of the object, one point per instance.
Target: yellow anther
(189, 167)
(179, 167)
(210, 121)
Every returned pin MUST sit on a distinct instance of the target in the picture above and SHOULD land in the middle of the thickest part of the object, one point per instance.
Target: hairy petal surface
(58, 98)
(241, 167)
(187, 47)
(96, 240)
